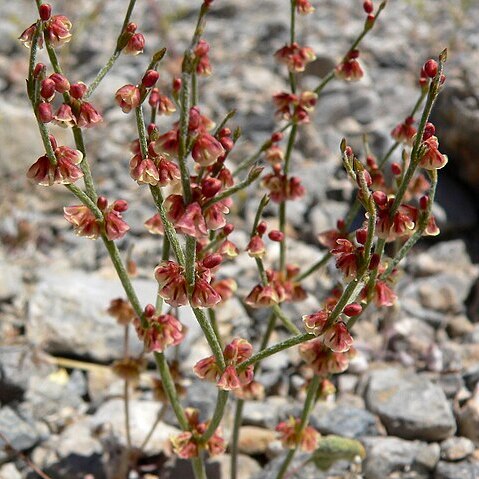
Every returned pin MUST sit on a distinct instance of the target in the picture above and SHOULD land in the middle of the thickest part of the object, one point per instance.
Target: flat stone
(345, 421)
(399, 397)
(456, 448)
(255, 440)
(10, 280)
(391, 457)
(468, 420)
(20, 434)
(63, 322)
(111, 415)
(9, 471)
(459, 470)
(263, 413)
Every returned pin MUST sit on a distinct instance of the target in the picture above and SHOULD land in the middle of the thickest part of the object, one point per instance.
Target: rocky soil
(412, 394)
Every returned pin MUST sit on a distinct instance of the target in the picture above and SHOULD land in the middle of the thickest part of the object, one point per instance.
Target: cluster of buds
(63, 170)
(206, 292)
(121, 310)
(274, 154)
(202, 59)
(350, 69)
(282, 187)
(74, 112)
(129, 368)
(291, 435)
(86, 224)
(324, 361)
(295, 57)
(188, 444)
(296, 108)
(161, 103)
(404, 132)
(131, 42)
(160, 331)
(229, 379)
(56, 29)
(304, 7)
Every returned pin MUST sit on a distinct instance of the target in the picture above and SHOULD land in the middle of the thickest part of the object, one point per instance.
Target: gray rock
(391, 457)
(20, 434)
(459, 470)
(18, 364)
(263, 414)
(409, 406)
(10, 280)
(111, 418)
(68, 314)
(299, 470)
(468, 419)
(345, 421)
(9, 471)
(456, 448)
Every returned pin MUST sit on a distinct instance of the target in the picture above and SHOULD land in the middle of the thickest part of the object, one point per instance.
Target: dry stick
(28, 462)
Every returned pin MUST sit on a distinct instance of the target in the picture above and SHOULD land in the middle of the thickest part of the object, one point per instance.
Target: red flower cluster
(323, 360)
(297, 108)
(235, 353)
(162, 331)
(188, 443)
(295, 57)
(281, 187)
(291, 437)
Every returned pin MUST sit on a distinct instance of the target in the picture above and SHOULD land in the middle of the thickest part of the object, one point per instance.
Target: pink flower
(88, 116)
(314, 323)
(154, 225)
(115, 226)
(135, 44)
(229, 379)
(64, 116)
(347, 257)
(192, 222)
(291, 437)
(350, 69)
(207, 149)
(337, 337)
(168, 172)
(128, 97)
(172, 283)
(322, 360)
(295, 57)
(304, 7)
(256, 247)
(203, 66)
(215, 214)
(162, 331)
(432, 159)
(144, 171)
(263, 296)
(204, 295)
(184, 445)
(83, 220)
(404, 132)
(27, 36)
(225, 288)
(167, 143)
(57, 30)
(207, 368)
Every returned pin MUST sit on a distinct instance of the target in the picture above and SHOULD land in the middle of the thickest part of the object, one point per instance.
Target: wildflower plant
(186, 168)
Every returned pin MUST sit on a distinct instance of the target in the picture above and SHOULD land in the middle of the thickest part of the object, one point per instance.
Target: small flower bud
(340, 224)
(396, 168)
(131, 28)
(429, 131)
(150, 78)
(102, 203)
(261, 228)
(374, 262)
(277, 136)
(120, 206)
(47, 89)
(131, 267)
(45, 11)
(210, 186)
(176, 85)
(39, 68)
(380, 198)
(77, 90)
(135, 44)
(224, 132)
(361, 236)
(276, 235)
(430, 68)
(212, 260)
(149, 310)
(62, 85)
(424, 202)
(45, 112)
(353, 309)
(228, 229)
(368, 6)
(53, 141)
(227, 143)
(370, 20)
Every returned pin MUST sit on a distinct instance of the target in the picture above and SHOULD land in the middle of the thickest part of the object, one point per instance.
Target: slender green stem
(276, 348)
(140, 125)
(198, 468)
(84, 165)
(315, 267)
(190, 259)
(126, 406)
(183, 137)
(214, 324)
(221, 401)
(287, 323)
(102, 73)
(225, 120)
(211, 338)
(170, 390)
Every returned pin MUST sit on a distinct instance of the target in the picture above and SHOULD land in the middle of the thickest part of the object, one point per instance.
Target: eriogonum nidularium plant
(187, 171)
